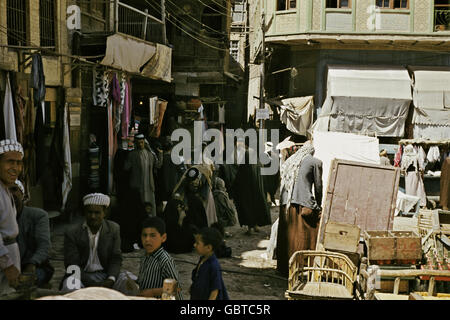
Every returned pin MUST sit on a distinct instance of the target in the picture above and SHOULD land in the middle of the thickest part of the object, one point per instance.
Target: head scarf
(409, 157)
(97, 199)
(289, 169)
(8, 145)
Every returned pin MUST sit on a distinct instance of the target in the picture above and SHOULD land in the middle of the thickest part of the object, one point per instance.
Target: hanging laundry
(123, 83)
(422, 157)
(116, 98)
(19, 113)
(152, 110)
(110, 147)
(433, 154)
(67, 167)
(161, 109)
(8, 112)
(126, 114)
(222, 113)
(37, 79)
(101, 88)
(398, 156)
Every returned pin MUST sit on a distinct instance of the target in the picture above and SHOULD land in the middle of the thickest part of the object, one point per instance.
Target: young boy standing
(157, 264)
(207, 282)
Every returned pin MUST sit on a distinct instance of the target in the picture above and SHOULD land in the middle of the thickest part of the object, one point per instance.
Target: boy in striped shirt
(157, 264)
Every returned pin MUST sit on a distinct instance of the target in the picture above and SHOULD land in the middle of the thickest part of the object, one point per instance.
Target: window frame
(338, 5)
(234, 49)
(391, 6)
(51, 25)
(14, 34)
(287, 4)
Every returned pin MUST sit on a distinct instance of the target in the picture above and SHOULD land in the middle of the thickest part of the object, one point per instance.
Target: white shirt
(93, 263)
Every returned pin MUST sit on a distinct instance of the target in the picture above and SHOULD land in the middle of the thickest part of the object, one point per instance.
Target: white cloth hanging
(8, 112)
(67, 171)
(433, 154)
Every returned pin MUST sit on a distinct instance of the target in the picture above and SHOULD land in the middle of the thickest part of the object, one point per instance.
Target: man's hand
(108, 283)
(12, 274)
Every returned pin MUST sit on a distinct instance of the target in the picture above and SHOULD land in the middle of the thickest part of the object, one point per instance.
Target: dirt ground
(247, 274)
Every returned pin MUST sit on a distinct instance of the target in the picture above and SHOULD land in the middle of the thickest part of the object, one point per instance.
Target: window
(286, 4)
(339, 3)
(441, 15)
(16, 22)
(234, 50)
(393, 4)
(47, 22)
(239, 11)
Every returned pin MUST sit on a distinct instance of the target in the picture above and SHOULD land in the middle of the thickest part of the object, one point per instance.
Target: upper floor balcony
(351, 18)
(128, 17)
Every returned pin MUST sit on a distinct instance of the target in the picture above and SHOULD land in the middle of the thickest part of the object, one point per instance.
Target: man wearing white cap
(93, 246)
(11, 164)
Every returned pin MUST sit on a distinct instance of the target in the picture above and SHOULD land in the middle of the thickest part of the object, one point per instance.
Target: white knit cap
(20, 185)
(98, 199)
(8, 145)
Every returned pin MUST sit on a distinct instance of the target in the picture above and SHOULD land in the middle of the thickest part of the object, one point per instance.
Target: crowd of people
(161, 207)
(164, 209)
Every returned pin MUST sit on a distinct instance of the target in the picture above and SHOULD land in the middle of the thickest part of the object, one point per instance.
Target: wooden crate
(393, 245)
(341, 237)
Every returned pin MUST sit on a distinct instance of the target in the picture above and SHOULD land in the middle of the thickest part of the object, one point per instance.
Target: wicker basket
(320, 275)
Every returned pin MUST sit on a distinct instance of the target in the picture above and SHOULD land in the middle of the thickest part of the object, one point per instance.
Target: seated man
(33, 239)
(94, 247)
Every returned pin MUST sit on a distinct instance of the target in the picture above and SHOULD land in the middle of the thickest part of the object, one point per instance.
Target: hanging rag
(37, 79)
(433, 154)
(19, 112)
(421, 157)
(8, 112)
(67, 168)
(116, 95)
(398, 157)
(101, 88)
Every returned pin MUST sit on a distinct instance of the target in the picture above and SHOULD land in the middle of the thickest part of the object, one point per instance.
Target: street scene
(225, 150)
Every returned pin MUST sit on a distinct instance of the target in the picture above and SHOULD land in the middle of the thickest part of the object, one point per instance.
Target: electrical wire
(187, 26)
(190, 16)
(191, 35)
(214, 9)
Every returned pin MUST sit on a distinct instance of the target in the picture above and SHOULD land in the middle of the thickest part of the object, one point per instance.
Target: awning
(139, 57)
(297, 114)
(366, 99)
(431, 87)
(431, 124)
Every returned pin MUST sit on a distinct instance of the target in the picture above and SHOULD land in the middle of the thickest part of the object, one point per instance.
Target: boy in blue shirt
(157, 264)
(207, 282)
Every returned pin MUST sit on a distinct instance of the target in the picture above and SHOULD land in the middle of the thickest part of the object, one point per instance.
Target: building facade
(303, 38)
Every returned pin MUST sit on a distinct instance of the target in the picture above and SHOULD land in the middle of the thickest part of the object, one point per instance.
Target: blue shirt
(207, 278)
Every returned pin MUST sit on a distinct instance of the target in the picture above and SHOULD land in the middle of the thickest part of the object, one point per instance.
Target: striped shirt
(155, 268)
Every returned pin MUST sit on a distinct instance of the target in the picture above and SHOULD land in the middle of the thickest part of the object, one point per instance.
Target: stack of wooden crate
(393, 250)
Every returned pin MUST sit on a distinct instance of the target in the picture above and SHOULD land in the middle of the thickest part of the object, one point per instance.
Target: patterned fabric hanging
(100, 88)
